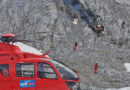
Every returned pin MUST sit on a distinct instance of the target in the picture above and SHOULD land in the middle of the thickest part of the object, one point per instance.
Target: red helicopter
(21, 70)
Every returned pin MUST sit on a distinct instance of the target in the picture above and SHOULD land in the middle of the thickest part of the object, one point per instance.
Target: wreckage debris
(87, 15)
(75, 21)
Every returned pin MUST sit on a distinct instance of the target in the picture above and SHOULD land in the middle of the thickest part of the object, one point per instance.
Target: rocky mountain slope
(110, 51)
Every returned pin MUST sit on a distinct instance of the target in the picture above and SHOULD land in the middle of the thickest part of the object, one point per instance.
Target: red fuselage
(27, 71)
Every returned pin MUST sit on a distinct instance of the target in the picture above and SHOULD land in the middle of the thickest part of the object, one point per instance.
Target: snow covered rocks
(127, 66)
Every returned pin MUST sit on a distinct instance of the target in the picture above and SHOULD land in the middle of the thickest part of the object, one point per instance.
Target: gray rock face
(110, 51)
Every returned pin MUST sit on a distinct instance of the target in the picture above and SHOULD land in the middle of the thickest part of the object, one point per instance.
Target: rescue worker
(98, 19)
(95, 67)
(75, 46)
(123, 24)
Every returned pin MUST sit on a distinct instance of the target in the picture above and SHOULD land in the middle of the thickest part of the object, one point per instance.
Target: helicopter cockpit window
(65, 72)
(45, 71)
(4, 69)
(25, 70)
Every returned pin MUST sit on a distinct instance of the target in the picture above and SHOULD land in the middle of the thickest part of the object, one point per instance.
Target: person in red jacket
(75, 46)
(95, 67)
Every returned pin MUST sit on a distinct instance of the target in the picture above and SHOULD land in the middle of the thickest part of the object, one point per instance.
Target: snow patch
(125, 88)
(123, 1)
(127, 66)
(26, 48)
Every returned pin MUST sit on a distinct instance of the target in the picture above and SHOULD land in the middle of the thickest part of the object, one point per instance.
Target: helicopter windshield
(65, 72)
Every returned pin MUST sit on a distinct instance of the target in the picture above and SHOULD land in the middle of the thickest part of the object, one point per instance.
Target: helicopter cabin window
(44, 70)
(25, 70)
(4, 70)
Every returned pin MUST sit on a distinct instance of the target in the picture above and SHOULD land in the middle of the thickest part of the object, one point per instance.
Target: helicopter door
(25, 76)
(5, 77)
(47, 78)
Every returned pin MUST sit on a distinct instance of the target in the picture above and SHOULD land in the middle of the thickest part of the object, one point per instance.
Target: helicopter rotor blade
(13, 37)
(47, 32)
(23, 40)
